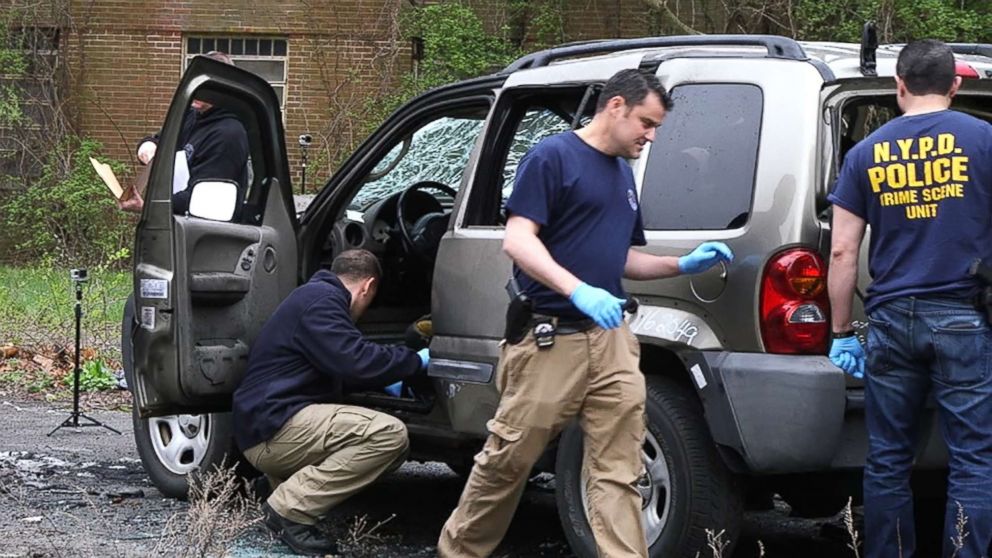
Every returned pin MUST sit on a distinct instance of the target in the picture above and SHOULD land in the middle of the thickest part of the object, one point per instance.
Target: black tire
(703, 495)
(199, 441)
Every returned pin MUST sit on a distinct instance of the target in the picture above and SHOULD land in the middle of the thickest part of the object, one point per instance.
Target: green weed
(37, 308)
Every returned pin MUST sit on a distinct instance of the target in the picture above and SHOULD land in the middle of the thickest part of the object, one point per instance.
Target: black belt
(564, 327)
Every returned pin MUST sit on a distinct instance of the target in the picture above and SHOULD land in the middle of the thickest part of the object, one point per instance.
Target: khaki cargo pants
(326, 453)
(593, 375)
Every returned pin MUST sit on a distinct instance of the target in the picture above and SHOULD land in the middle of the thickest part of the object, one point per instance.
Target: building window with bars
(263, 56)
(31, 103)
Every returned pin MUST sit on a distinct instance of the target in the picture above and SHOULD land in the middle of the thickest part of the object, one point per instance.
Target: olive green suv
(742, 400)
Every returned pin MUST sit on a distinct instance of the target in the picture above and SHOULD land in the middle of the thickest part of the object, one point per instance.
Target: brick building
(326, 58)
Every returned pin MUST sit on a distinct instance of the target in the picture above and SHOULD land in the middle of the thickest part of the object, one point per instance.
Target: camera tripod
(78, 277)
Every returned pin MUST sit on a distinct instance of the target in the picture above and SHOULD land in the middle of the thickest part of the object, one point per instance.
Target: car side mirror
(216, 200)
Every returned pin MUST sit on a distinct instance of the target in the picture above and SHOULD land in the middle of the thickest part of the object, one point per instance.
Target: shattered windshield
(438, 152)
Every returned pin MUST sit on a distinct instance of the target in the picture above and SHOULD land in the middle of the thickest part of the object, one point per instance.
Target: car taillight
(795, 309)
(965, 70)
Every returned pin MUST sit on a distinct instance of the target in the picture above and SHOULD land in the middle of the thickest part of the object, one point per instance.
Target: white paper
(180, 173)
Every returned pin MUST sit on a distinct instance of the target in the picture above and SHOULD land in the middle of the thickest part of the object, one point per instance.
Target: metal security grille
(263, 56)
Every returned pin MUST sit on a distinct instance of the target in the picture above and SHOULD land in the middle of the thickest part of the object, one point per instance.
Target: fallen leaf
(8, 352)
(45, 362)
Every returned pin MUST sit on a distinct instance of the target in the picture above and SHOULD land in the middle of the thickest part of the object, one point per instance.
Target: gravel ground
(82, 492)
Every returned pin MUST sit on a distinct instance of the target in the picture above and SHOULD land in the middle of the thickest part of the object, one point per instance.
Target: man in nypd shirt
(923, 182)
(574, 217)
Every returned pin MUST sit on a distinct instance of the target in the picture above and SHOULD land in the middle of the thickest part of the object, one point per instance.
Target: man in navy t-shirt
(574, 217)
(924, 183)
(289, 420)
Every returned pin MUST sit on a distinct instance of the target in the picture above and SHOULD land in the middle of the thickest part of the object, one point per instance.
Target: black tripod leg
(94, 422)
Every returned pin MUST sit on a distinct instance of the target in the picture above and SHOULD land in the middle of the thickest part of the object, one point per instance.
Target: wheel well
(662, 361)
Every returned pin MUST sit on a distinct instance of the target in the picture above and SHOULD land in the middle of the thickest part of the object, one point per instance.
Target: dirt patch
(45, 375)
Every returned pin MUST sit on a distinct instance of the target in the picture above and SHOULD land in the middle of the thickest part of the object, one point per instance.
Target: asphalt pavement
(83, 492)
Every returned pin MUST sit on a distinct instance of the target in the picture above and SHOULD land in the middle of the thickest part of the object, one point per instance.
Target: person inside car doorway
(289, 420)
(923, 182)
(574, 217)
(215, 144)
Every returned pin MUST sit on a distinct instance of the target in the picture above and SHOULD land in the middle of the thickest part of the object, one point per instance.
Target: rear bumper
(790, 414)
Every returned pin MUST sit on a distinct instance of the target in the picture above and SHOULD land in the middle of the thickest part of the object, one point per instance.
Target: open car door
(203, 287)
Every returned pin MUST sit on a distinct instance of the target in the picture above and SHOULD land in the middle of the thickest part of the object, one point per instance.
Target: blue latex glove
(848, 355)
(396, 390)
(705, 256)
(425, 358)
(605, 309)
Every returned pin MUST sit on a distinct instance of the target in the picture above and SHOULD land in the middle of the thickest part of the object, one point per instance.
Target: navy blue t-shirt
(924, 185)
(586, 204)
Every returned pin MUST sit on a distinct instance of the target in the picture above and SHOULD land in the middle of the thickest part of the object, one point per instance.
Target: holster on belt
(518, 313)
(983, 273)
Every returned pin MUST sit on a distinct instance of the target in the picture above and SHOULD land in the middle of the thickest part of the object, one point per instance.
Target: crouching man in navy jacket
(288, 416)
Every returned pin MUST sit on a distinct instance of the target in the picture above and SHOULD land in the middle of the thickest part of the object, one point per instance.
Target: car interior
(401, 209)
(860, 116)
(401, 205)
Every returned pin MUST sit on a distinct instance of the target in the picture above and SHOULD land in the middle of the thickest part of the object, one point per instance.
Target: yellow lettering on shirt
(905, 145)
(941, 170)
(882, 150)
(918, 174)
(959, 169)
(928, 211)
(945, 144)
(876, 177)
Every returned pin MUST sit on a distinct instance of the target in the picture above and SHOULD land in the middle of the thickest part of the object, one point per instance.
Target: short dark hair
(356, 265)
(634, 86)
(926, 67)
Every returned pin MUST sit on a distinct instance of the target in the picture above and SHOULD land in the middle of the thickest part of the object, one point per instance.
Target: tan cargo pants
(593, 375)
(326, 453)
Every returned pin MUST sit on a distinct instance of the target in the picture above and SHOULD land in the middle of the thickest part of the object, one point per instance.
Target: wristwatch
(844, 334)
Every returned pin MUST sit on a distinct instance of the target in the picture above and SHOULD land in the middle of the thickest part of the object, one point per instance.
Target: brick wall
(126, 57)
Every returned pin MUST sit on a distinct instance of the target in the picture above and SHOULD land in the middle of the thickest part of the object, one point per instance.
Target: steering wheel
(424, 236)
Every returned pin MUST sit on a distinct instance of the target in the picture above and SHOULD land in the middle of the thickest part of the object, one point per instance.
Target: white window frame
(284, 58)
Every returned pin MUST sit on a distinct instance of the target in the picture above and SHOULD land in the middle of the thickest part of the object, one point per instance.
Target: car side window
(700, 171)
(538, 123)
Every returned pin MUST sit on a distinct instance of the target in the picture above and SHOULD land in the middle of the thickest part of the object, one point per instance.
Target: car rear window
(700, 171)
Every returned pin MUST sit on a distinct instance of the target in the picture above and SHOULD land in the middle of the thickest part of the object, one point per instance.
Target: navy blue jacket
(310, 351)
(216, 146)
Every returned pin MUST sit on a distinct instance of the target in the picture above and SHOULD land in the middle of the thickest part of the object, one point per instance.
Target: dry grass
(961, 532)
(360, 531)
(854, 544)
(221, 509)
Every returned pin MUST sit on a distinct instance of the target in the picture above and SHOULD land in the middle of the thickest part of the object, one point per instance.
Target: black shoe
(303, 539)
(261, 488)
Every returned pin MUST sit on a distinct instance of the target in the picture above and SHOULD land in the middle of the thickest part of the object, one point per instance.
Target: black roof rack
(972, 48)
(778, 47)
(869, 47)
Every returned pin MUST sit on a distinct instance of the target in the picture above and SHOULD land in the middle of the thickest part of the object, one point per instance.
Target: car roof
(834, 60)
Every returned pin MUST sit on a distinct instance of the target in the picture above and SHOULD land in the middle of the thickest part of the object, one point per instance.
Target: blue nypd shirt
(924, 185)
(586, 204)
